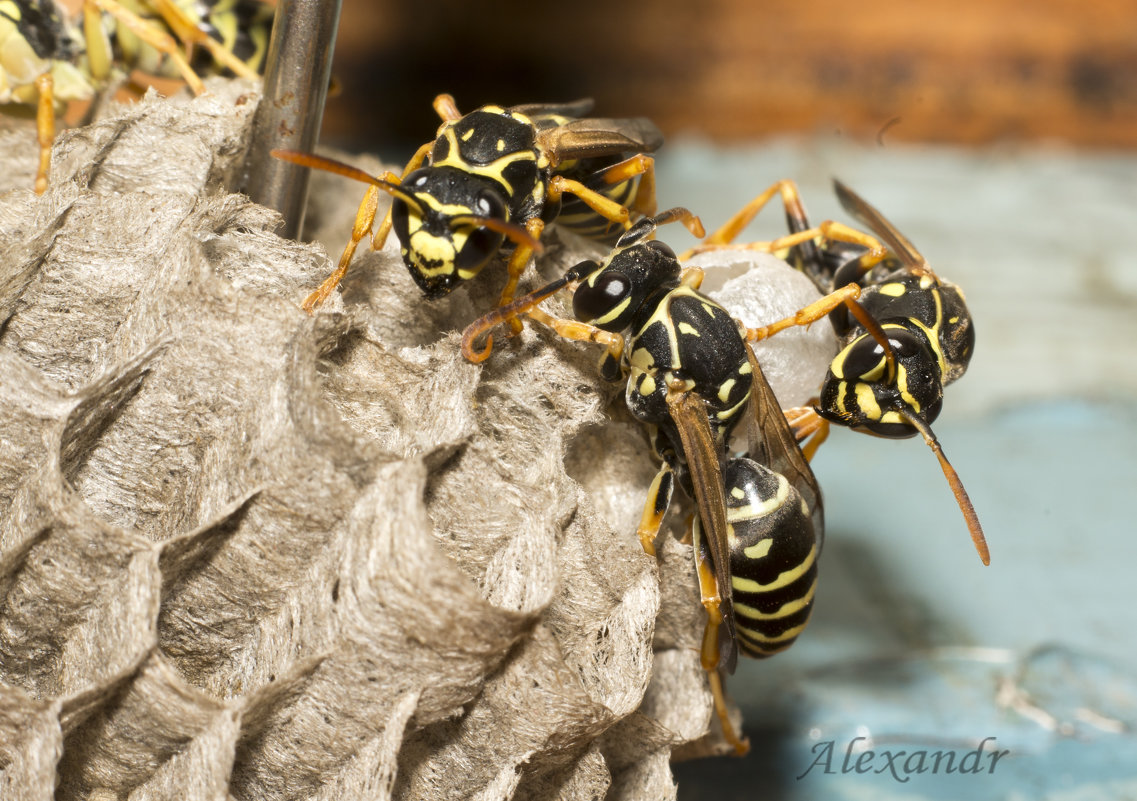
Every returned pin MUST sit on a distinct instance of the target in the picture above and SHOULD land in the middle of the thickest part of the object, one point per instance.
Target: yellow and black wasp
(904, 332)
(48, 59)
(692, 379)
(494, 178)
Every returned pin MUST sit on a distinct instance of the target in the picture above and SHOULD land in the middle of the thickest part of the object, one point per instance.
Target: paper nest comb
(249, 553)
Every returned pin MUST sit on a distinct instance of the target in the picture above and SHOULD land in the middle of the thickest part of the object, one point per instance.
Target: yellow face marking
(902, 385)
(842, 389)
(867, 401)
(724, 391)
(892, 417)
(433, 255)
(687, 328)
(876, 373)
(612, 315)
(837, 366)
(893, 290)
(784, 578)
(647, 385)
(447, 209)
(759, 549)
(933, 340)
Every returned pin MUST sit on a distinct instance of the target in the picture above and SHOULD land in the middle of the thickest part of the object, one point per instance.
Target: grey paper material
(250, 553)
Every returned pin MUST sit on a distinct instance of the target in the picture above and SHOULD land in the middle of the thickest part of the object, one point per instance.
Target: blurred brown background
(938, 71)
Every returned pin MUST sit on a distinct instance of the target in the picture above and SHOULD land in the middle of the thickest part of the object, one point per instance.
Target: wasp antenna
(874, 329)
(682, 215)
(346, 170)
(956, 485)
(517, 234)
(508, 312)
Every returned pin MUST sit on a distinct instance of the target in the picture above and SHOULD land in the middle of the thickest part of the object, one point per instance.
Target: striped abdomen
(576, 216)
(773, 557)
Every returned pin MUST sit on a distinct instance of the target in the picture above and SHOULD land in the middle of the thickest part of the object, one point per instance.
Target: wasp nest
(254, 554)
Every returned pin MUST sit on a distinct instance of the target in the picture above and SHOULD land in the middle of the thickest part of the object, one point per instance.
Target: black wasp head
(441, 226)
(615, 290)
(860, 392)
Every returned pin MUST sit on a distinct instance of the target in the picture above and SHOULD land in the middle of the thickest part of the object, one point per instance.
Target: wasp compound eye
(489, 204)
(596, 301)
(661, 247)
(863, 359)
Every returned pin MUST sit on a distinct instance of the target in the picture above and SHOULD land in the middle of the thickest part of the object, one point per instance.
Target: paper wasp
(48, 59)
(904, 332)
(691, 378)
(494, 178)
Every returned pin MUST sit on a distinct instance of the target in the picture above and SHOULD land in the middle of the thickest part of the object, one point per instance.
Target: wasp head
(863, 391)
(440, 219)
(616, 289)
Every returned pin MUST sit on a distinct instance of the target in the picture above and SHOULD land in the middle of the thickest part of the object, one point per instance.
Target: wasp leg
(727, 233)
(45, 128)
(364, 218)
(158, 39)
(708, 591)
(655, 507)
(100, 58)
(516, 266)
(583, 332)
(446, 108)
(809, 429)
(605, 207)
(741, 745)
(637, 165)
(711, 600)
(826, 230)
(380, 237)
(847, 296)
(188, 31)
(807, 315)
(692, 277)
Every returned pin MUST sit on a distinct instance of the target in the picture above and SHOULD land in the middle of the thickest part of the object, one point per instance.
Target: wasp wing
(574, 109)
(594, 138)
(705, 468)
(772, 443)
(868, 214)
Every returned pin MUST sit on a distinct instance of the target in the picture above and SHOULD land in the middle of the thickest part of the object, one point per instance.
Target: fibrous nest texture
(250, 553)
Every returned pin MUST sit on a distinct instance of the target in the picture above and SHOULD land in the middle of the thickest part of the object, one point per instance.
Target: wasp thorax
(859, 390)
